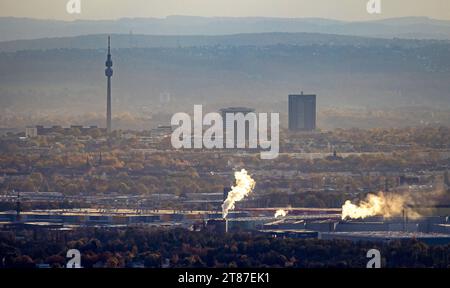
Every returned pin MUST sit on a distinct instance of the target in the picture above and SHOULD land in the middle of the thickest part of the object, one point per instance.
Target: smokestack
(18, 207)
(404, 220)
(226, 191)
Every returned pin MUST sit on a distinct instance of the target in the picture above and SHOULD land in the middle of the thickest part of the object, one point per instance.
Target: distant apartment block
(31, 132)
(302, 112)
(249, 125)
(45, 131)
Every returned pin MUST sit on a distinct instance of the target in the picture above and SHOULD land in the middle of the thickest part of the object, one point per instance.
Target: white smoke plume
(281, 213)
(388, 206)
(244, 186)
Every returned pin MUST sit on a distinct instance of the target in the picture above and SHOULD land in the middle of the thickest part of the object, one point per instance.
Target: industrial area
(314, 223)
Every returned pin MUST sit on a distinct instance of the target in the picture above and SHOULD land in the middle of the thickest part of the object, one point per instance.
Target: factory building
(88, 217)
(298, 223)
(295, 234)
(217, 226)
(387, 236)
(40, 130)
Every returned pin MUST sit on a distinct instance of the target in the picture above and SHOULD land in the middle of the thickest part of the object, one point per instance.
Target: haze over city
(135, 134)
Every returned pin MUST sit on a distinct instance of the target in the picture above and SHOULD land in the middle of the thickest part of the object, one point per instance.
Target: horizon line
(222, 17)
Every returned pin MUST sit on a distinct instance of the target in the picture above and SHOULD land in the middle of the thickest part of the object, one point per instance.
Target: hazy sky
(336, 9)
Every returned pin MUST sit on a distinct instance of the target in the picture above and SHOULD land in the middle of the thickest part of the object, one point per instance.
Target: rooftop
(237, 110)
(387, 234)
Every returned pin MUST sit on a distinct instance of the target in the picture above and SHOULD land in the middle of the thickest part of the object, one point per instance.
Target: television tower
(108, 74)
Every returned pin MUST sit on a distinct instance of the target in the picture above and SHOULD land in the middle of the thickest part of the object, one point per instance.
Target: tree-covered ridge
(181, 248)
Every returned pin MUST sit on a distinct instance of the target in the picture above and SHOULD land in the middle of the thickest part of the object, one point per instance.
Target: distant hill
(158, 75)
(121, 41)
(125, 41)
(166, 74)
(410, 27)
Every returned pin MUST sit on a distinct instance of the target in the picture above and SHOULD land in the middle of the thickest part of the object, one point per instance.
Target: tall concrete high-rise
(302, 112)
(108, 74)
(249, 125)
